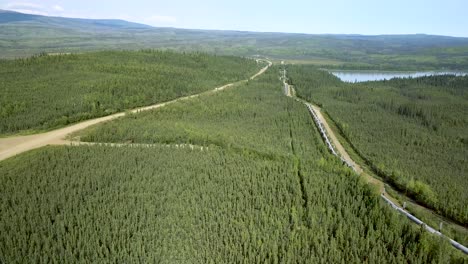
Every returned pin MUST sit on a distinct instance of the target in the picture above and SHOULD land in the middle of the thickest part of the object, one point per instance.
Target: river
(364, 76)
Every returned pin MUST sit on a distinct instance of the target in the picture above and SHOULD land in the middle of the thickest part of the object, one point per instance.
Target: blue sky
(448, 17)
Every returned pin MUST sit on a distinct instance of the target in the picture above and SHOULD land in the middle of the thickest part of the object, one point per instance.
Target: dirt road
(337, 147)
(12, 146)
(136, 145)
(341, 151)
(344, 154)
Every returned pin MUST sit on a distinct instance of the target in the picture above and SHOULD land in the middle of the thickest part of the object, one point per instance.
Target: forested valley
(23, 35)
(411, 131)
(263, 189)
(50, 91)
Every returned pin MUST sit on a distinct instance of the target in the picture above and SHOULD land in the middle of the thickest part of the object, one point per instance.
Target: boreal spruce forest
(122, 142)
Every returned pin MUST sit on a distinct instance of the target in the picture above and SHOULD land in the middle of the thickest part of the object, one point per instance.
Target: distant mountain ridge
(7, 16)
(23, 35)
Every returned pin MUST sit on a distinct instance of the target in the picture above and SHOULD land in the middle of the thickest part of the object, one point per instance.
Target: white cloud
(26, 7)
(161, 19)
(29, 11)
(35, 9)
(58, 8)
(31, 7)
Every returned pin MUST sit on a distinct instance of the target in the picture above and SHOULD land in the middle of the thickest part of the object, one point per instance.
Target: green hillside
(45, 92)
(122, 142)
(264, 190)
(20, 38)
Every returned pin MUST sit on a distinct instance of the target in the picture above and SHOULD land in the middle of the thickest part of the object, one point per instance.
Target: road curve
(12, 146)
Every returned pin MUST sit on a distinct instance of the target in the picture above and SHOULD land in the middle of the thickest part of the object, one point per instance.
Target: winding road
(12, 146)
(15, 145)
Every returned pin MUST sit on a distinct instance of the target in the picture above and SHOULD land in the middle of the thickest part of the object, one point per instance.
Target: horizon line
(247, 31)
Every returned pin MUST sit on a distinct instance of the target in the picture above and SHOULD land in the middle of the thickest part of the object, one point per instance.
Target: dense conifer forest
(263, 188)
(413, 132)
(122, 142)
(50, 91)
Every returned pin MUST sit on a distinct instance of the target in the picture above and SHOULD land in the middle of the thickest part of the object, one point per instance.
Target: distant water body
(363, 76)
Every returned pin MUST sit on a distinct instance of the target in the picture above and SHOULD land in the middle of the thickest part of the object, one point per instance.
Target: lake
(364, 76)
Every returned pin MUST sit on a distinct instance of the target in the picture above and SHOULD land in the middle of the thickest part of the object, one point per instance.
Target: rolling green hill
(265, 190)
(237, 176)
(23, 35)
(64, 89)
